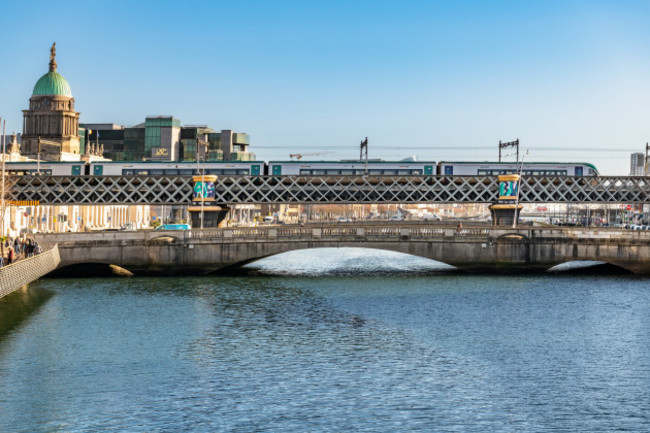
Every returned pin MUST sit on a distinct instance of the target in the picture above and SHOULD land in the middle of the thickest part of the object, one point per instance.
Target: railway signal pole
(364, 148)
(646, 158)
(509, 144)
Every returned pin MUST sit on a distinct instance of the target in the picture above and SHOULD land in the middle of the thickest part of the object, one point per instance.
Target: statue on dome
(52, 56)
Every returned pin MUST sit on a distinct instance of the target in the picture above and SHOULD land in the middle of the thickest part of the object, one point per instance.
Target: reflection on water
(19, 306)
(345, 350)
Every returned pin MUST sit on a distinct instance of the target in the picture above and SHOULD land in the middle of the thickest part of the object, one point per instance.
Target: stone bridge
(473, 249)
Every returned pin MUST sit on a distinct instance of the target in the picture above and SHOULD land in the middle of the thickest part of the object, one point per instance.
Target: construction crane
(299, 156)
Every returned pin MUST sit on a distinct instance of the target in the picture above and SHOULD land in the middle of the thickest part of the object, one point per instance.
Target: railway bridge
(473, 249)
(329, 189)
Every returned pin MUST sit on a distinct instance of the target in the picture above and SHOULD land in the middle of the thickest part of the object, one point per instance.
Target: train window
(302, 171)
(416, 171)
(141, 172)
(186, 171)
(127, 172)
(156, 171)
(359, 171)
(578, 171)
(404, 172)
(449, 170)
(348, 172)
(374, 171)
(243, 171)
(170, 171)
(319, 171)
(389, 172)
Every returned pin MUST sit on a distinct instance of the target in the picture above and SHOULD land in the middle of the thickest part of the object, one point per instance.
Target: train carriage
(153, 168)
(464, 168)
(46, 168)
(352, 167)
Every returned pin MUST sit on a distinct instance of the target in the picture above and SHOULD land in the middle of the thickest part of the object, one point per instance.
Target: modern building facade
(163, 138)
(637, 164)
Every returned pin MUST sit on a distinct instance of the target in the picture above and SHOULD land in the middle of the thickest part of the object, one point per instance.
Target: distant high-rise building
(637, 164)
(162, 138)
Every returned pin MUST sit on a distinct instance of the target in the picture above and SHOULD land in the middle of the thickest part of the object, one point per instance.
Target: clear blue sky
(440, 80)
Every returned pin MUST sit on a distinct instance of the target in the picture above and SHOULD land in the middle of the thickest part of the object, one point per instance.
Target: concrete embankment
(18, 274)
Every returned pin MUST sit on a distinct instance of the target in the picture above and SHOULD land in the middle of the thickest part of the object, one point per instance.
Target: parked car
(396, 218)
(431, 217)
(343, 220)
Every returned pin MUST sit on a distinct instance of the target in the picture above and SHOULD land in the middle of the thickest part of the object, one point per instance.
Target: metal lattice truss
(102, 189)
(325, 189)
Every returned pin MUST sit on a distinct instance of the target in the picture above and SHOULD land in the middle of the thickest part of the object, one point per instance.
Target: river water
(336, 340)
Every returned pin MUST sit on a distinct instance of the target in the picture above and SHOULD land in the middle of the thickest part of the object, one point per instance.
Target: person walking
(10, 256)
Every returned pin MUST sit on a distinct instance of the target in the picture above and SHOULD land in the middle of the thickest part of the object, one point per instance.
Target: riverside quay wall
(479, 249)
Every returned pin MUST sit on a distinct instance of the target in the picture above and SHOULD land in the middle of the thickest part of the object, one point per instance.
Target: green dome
(52, 83)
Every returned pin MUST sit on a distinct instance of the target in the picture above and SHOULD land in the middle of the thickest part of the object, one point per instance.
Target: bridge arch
(90, 269)
(358, 259)
(589, 267)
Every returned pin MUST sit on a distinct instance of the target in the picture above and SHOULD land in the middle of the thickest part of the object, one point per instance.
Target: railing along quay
(25, 271)
(326, 189)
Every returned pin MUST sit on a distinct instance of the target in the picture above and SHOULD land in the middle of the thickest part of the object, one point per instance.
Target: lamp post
(521, 170)
(204, 150)
(4, 156)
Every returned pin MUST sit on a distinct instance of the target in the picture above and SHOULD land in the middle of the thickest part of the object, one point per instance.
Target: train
(301, 168)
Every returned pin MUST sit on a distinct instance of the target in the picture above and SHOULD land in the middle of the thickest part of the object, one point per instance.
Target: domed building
(51, 119)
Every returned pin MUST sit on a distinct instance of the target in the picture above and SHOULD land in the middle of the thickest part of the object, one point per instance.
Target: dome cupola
(52, 83)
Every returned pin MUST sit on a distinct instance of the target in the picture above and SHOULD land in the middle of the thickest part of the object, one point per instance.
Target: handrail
(25, 271)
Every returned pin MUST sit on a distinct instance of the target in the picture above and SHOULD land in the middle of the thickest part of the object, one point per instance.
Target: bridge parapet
(329, 231)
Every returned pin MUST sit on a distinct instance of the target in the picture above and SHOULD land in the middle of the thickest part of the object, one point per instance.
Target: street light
(204, 148)
(521, 170)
